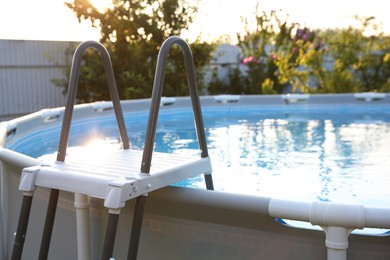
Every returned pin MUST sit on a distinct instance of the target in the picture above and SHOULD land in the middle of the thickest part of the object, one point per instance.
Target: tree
(361, 62)
(133, 31)
(280, 56)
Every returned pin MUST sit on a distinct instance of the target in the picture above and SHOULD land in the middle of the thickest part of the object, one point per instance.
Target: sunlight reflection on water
(313, 159)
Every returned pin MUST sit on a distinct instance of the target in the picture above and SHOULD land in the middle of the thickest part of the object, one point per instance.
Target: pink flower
(274, 56)
(248, 60)
(294, 50)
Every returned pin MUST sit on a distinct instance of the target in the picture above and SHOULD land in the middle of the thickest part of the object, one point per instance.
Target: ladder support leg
(22, 226)
(109, 240)
(49, 222)
(209, 181)
(136, 227)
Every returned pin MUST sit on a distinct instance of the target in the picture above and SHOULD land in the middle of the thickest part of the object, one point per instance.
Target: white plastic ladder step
(113, 174)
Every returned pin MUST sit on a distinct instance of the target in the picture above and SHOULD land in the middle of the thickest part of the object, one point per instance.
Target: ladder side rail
(152, 124)
(196, 107)
(64, 136)
(156, 97)
(71, 96)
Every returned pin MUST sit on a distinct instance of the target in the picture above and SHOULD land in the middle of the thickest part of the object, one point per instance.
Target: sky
(52, 20)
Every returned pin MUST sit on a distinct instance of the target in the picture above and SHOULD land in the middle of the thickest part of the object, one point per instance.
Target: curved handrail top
(71, 96)
(157, 93)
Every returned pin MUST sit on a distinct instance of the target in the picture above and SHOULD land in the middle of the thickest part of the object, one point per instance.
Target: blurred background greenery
(276, 55)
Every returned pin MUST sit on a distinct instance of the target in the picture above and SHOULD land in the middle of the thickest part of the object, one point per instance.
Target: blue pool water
(329, 153)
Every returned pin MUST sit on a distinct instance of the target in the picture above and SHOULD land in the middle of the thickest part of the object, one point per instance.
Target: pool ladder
(122, 182)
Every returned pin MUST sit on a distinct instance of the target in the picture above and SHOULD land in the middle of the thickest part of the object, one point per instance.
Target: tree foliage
(279, 56)
(282, 55)
(133, 31)
(360, 61)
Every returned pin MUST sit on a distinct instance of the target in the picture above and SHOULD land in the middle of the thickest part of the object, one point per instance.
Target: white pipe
(352, 216)
(337, 220)
(81, 204)
(295, 210)
(333, 254)
(377, 217)
(337, 242)
(336, 214)
(17, 159)
(9, 157)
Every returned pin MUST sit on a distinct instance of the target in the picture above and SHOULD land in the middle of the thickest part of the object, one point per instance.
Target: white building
(27, 69)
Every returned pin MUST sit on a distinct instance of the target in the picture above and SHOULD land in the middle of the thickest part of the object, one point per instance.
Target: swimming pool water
(330, 153)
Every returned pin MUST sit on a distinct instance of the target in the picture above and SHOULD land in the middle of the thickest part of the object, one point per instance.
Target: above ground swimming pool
(285, 169)
(329, 151)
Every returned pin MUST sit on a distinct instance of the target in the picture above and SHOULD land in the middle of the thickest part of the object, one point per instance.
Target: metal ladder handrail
(71, 96)
(66, 124)
(156, 97)
(152, 124)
